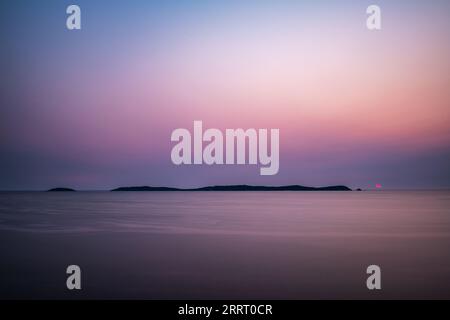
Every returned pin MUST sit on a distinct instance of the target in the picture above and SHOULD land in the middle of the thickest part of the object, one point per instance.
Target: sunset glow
(95, 108)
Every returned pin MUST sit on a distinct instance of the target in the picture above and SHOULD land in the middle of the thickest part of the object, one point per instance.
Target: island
(238, 188)
(61, 190)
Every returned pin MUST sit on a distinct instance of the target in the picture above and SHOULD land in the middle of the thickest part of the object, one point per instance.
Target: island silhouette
(60, 190)
(238, 188)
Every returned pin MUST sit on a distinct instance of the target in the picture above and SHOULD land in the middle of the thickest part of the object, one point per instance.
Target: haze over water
(252, 245)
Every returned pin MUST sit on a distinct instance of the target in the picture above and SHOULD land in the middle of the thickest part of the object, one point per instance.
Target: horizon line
(228, 185)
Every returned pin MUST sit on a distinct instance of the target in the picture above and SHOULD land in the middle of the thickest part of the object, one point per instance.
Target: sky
(95, 108)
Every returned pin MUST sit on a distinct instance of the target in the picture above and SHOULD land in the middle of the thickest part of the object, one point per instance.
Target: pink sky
(340, 95)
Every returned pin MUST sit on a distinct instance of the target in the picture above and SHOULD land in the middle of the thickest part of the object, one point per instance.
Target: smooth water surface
(231, 245)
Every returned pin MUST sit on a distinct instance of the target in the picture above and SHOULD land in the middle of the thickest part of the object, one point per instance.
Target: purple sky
(95, 108)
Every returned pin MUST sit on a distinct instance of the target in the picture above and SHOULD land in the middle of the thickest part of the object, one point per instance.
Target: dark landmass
(60, 190)
(238, 188)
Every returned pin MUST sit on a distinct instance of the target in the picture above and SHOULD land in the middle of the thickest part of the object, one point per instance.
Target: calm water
(241, 245)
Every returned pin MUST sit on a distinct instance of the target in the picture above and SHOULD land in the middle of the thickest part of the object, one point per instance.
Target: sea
(225, 245)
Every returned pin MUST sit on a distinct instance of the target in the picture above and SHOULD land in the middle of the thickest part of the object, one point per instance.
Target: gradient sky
(95, 108)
